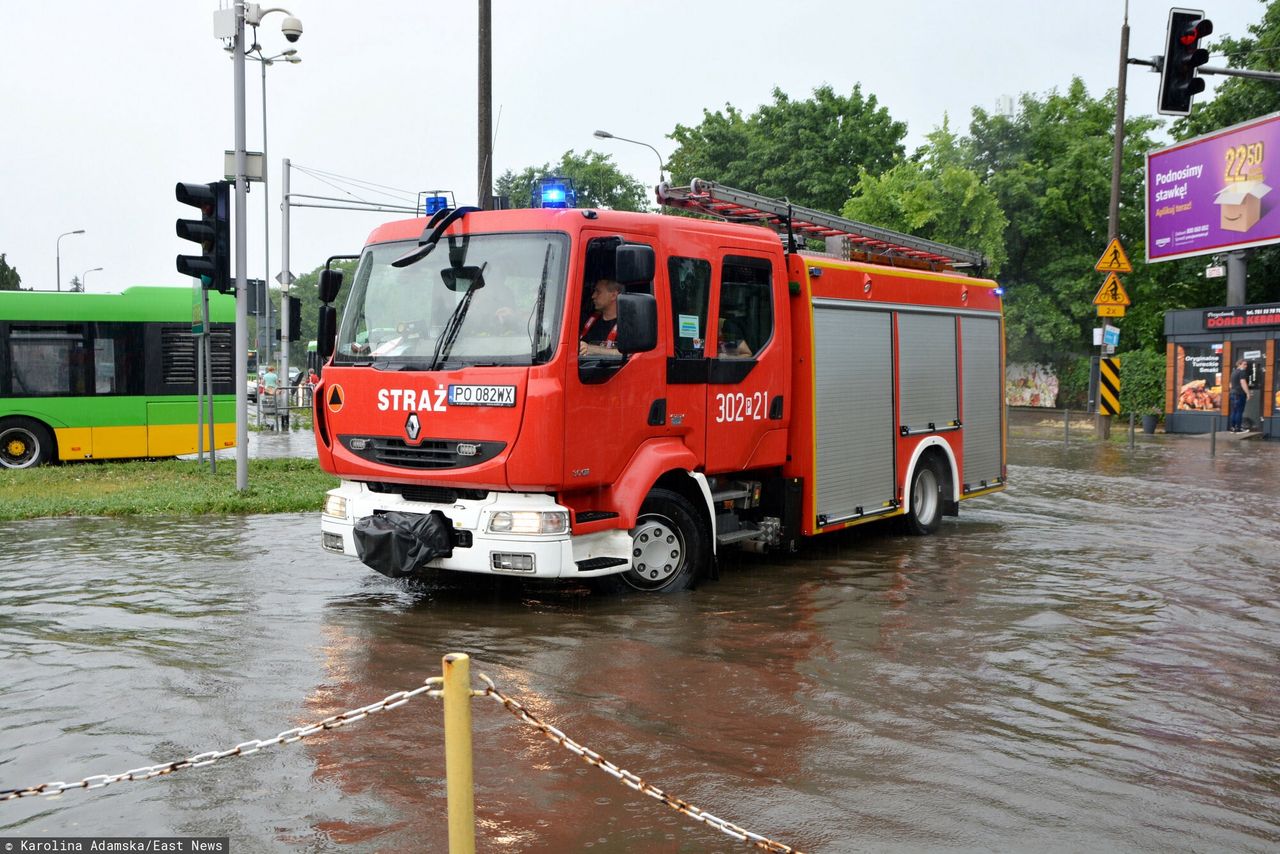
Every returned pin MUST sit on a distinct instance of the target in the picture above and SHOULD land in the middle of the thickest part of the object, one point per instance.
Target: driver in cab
(599, 335)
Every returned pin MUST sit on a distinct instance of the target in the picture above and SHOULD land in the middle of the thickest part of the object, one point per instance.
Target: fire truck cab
(746, 394)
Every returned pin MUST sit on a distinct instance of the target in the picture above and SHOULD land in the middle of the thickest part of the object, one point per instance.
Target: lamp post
(230, 24)
(604, 134)
(58, 250)
(290, 56)
(84, 276)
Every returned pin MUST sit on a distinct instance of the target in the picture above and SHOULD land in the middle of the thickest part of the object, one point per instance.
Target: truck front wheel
(668, 545)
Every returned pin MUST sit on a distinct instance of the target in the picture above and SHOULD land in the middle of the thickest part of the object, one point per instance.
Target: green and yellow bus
(109, 376)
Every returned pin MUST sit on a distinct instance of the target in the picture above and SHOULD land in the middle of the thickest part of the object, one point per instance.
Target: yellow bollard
(457, 753)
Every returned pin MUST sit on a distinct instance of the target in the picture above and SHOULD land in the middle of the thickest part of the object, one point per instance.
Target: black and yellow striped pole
(1109, 386)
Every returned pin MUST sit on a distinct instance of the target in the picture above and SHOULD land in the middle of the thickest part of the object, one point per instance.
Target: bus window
(47, 360)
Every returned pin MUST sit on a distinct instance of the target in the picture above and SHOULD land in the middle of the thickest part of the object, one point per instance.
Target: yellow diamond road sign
(1111, 292)
(1114, 260)
(1110, 311)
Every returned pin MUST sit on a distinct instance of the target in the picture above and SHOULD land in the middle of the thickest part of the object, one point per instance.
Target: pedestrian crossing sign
(1114, 260)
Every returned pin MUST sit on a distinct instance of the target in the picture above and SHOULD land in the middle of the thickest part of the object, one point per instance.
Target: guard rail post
(457, 753)
(1066, 426)
(1213, 438)
(1131, 423)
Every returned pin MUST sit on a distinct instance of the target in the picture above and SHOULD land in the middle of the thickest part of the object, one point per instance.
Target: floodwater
(1086, 662)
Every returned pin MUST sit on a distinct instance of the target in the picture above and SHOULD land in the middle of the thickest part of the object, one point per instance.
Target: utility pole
(242, 290)
(484, 192)
(1103, 422)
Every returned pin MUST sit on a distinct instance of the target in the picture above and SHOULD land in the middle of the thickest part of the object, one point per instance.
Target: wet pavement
(1086, 662)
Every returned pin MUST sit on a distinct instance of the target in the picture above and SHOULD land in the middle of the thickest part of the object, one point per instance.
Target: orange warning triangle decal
(335, 398)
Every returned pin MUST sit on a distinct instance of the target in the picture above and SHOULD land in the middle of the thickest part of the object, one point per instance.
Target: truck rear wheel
(24, 443)
(925, 514)
(668, 545)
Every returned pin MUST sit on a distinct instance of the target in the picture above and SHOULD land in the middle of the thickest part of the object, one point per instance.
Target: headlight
(335, 505)
(529, 522)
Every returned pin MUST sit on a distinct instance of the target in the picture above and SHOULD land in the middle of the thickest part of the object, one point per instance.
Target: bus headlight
(529, 522)
(335, 506)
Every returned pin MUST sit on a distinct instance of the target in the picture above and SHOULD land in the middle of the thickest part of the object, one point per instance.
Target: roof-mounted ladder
(880, 244)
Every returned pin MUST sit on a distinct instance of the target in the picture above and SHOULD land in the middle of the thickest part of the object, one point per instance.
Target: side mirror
(633, 264)
(330, 284)
(326, 328)
(637, 321)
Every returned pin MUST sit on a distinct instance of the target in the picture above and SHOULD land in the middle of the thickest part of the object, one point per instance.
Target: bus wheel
(668, 545)
(24, 443)
(925, 515)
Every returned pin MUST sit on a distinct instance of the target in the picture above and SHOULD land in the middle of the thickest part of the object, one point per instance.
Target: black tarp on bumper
(401, 544)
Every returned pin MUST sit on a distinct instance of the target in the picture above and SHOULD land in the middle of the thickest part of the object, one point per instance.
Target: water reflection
(1085, 662)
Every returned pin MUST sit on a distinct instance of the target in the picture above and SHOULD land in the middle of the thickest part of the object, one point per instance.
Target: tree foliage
(598, 182)
(935, 196)
(1050, 168)
(9, 278)
(811, 152)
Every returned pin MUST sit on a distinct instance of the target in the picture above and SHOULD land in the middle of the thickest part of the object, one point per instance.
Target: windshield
(475, 300)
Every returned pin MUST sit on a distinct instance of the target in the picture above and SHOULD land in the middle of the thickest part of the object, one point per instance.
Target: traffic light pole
(1103, 422)
(284, 278)
(242, 295)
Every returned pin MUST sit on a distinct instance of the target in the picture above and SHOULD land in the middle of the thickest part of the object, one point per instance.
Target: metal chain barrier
(200, 760)
(432, 687)
(628, 779)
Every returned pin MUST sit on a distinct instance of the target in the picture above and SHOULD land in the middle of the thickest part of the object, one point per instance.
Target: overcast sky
(106, 105)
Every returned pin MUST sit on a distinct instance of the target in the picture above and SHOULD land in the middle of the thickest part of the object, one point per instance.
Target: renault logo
(411, 426)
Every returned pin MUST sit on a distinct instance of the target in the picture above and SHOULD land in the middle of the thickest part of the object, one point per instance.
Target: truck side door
(748, 364)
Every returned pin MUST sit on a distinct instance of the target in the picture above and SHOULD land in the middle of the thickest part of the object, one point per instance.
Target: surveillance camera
(292, 29)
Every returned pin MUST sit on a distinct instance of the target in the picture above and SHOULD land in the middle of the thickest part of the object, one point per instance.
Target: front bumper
(551, 555)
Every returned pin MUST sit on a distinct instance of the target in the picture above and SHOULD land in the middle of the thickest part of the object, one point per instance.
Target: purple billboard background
(1184, 180)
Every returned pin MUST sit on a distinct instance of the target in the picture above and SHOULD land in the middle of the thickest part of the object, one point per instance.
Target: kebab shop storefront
(1203, 347)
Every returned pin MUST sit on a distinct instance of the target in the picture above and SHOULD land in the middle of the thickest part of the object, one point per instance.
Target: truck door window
(745, 320)
(690, 293)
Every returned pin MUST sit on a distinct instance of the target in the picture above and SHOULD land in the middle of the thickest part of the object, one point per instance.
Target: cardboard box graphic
(1240, 204)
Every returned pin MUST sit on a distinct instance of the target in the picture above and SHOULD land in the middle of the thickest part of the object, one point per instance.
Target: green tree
(9, 278)
(1050, 168)
(935, 196)
(596, 179)
(811, 152)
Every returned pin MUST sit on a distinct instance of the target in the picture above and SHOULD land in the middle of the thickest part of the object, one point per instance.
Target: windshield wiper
(454, 324)
(538, 307)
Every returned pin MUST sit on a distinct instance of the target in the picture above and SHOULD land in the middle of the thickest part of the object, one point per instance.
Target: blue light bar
(434, 204)
(554, 192)
(998, 292)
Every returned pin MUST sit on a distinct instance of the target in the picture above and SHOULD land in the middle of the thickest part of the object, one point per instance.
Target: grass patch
(161, 488)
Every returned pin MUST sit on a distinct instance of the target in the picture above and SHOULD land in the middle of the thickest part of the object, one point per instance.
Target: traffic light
(211, 231)
(1182, 56)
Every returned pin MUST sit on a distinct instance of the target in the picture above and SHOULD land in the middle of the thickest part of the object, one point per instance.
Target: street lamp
(290, 56)
(604, 134)
(84, 276)
(58, 250)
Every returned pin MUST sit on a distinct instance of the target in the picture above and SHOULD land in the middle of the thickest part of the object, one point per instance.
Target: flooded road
(1087, 662)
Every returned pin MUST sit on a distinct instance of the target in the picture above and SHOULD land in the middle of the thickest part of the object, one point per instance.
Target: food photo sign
(1216, 192)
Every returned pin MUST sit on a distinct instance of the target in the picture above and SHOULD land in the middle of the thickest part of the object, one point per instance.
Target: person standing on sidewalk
(1239, 385)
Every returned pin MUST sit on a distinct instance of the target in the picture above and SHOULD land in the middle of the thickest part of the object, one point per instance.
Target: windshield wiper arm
(454, 324)
(538, 309)
(429, 241)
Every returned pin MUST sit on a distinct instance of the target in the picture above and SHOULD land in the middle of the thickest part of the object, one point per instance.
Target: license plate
(482, 395)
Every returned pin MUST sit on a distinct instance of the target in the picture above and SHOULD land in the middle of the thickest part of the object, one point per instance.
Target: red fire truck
(749, 393)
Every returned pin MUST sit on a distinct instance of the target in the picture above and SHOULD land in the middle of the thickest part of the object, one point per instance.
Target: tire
(24, 443)
(669, 545)
(924, 515)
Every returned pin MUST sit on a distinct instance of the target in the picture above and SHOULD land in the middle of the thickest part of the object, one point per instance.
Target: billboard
(1211, 194)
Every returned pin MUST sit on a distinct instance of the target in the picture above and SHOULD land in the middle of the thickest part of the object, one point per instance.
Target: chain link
(628, 779)
(431, 687)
